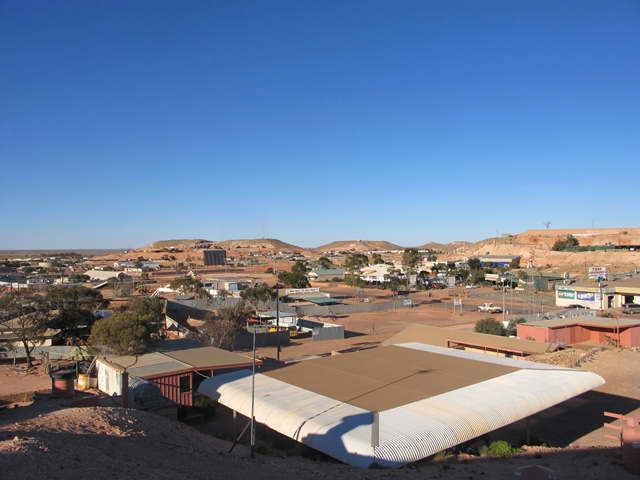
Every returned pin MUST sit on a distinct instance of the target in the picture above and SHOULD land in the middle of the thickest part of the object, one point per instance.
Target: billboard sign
(596, 272)
(567, 295)
(294, 291)
(589, 296)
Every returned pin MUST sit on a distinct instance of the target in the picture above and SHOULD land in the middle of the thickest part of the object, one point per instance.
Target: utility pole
(253, 396)
(277, 318)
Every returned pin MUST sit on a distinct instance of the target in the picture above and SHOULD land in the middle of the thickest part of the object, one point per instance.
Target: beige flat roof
(388, 377)
(439, 336)
(204, 357)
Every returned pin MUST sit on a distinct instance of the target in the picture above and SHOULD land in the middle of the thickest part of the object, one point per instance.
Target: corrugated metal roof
(407, 432)
(383, 378)
(149, 364)
(334, 271)
(438, 336)
(204, 357)
(322, 300)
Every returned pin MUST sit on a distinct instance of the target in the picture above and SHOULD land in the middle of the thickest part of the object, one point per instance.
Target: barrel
(62, 383)
(83, 382)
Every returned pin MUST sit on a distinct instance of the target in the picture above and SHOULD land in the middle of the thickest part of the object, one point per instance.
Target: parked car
(472, 285)
(575, 305)
(630, 308)
(489, 308)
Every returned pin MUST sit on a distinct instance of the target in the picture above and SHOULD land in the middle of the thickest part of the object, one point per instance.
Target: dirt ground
(46, 436)
(45, 439)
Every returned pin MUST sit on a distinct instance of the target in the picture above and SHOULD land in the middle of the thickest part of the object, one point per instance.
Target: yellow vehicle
(144, 289)
(293, 331)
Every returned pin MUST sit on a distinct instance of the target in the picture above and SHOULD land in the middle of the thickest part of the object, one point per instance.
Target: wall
(109, 379)
(170, 387)
(333, 332)
(268, 339)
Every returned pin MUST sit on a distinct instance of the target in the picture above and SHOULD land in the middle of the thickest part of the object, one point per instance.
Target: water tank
(145, 393)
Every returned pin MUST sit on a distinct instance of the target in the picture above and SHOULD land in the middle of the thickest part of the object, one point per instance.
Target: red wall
(629, 337)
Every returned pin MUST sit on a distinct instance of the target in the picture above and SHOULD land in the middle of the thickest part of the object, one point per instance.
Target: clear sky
(126, 122)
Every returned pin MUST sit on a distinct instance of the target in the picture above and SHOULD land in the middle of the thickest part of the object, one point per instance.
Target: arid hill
(358, 246)
(200, 244)
(441, 247)
(537, 246)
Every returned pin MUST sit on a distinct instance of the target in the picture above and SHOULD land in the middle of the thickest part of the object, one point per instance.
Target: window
(185, 384)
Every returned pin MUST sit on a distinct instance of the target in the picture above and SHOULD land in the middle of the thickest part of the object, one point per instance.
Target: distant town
(355, 350)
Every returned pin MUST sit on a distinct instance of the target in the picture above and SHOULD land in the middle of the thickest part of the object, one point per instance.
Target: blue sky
(126, 122)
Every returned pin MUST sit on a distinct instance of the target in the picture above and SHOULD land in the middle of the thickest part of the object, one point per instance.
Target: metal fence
(347, 309)
(517, 293)
(291, 307)
(57, 352)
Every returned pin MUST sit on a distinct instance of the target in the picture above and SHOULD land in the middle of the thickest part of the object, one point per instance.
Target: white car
(472, 285)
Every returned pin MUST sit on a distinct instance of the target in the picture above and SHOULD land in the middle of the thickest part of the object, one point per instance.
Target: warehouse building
(591, 294)
(397, 404)
(176, 366)
(584, 329)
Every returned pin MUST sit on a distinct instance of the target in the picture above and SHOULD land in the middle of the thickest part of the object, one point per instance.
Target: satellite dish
(565, 275)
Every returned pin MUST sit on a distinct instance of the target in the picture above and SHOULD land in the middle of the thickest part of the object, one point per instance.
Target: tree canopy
(189, 284)
(220, 328)
(121, 334)
(474, 264)
(376, 258)
(258, 295)
(491, 326)
(560, 245)
(324, 263)
(393, 280)
(26, 314)
(293, 279)
(300, 267)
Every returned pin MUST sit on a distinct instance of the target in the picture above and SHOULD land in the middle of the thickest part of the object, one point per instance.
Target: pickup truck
(489, 308)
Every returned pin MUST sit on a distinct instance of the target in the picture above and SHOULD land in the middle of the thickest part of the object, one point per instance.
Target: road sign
(596, 272)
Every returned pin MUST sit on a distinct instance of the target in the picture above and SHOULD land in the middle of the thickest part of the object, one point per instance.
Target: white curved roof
(409, 432)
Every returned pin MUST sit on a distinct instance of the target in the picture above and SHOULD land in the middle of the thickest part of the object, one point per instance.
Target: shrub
(490, 326)
(121, 334)
(264, 449)
(500, 449)
(376, 466)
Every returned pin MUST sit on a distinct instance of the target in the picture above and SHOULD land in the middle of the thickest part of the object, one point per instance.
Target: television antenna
(546, 224)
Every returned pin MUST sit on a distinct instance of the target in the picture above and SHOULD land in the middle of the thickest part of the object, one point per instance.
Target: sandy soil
(45, 437)
(117, 443)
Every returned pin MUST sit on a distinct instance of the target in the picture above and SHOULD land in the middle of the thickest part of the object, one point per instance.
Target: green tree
(220, 328)
(474, 264)
(393, 280)
(148, 309)
(491, 326)
(293, 280)
(299, 267)
(121, 334)
(324, 263)
(74, 307)
(513, 325)
(190, 285)
(258, 295)
(26, 314)
(78, 278)
(376, 258)
(560, 245)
